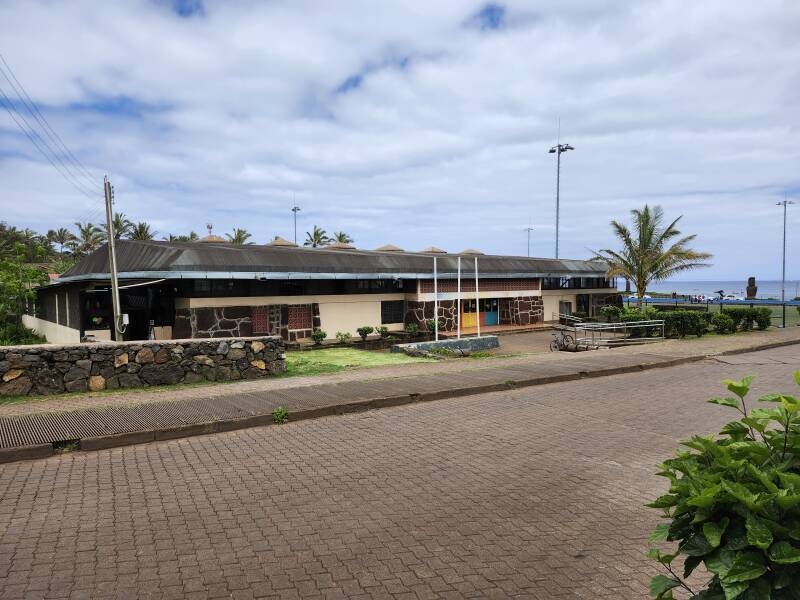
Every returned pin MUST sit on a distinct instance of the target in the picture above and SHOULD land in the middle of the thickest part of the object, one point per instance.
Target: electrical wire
(37, 114)
(8, 106)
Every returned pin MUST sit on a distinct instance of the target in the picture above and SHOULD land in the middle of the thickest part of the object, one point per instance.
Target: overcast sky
(416, 123)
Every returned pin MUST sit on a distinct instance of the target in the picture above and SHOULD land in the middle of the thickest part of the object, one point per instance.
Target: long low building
(210, 288)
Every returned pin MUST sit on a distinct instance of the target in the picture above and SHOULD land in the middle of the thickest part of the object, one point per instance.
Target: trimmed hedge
(744, 317)
(680, 323)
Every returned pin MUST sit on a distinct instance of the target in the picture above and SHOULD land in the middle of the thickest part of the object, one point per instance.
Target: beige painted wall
(55, 333)
(265, 300)
(344, 312)
(349, 316)
(550, 300)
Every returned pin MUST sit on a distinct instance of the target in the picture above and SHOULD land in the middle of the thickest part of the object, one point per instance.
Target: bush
(318, 335)
(742, 317)
(412, 329)
(280, 415)
(365, 331)
(680, 323)
(734, 505)
(763, 317)
(344, 337)
(431, 325)
(382, 331)
(13, 335)
(632, 315)
(722, 323)
(611, 313)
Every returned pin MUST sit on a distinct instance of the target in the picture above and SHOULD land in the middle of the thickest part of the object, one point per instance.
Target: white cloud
(441, 137)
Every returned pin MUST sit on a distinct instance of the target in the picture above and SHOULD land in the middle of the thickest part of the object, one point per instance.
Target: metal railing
(619, 334)
(592, 333)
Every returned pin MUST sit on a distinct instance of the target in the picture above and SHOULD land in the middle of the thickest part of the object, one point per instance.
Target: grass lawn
(332, 360)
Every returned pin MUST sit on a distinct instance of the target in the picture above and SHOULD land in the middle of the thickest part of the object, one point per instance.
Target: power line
(8, 106)
(37, 114)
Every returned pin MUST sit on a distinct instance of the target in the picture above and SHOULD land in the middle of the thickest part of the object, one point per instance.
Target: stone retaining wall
(45, 369)
(473, 344)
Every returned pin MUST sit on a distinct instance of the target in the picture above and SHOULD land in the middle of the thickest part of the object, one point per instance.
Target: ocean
(766, 289)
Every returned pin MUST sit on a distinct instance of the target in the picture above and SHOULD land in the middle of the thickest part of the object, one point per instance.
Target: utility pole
(112, 260)
(529, 229)
(784, 203)
(295, 210)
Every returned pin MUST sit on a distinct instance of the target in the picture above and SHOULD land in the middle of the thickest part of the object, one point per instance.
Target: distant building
(210, 288)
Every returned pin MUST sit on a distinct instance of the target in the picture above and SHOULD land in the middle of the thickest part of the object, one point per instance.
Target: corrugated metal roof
(189, 260)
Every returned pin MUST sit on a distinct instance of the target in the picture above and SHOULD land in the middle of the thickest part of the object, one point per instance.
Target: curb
(8, 455)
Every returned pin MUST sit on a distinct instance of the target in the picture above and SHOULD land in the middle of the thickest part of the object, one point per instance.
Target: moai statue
(752, 288)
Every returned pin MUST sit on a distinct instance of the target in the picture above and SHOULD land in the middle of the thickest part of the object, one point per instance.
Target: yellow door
(469, 313)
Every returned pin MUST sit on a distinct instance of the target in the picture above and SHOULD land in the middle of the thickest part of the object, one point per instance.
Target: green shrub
(734, 505)
(280, 415)
(722, 323)
(579, 314)
(680, 323)
(742, 316)
(382, 331)
(318, 335)
(412, 329)
(763, 317)
(365, 331)
(611, 313)
(632, 315)
(344, 337)
(431, 325)
(13, 335)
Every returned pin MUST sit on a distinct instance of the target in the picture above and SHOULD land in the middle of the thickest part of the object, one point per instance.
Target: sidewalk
(29, 430)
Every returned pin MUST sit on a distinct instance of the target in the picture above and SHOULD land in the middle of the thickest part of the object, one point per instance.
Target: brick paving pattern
(533, 493)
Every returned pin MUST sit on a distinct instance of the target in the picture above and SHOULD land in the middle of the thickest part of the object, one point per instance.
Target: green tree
(61, 236)
(342, 238)
(141, 231)
(89, 237)
(17, 282)
(648, 252)
(316, 237)
(122, 227)
(239, 236)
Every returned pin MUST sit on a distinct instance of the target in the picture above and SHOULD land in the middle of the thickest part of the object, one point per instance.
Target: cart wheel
(567, 340)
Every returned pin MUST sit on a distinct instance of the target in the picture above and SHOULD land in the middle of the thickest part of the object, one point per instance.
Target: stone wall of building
(42, 370)
(522, 310)
(419, 312)
(292, 322)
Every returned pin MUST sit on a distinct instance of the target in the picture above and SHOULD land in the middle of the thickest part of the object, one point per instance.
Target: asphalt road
(534, 493)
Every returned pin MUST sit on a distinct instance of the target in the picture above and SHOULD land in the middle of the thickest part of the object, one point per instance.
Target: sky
(414, 123)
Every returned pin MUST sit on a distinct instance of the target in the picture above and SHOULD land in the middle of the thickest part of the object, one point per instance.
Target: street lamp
(529, 229)
(558, 149)
(784, 203)
(295, 210)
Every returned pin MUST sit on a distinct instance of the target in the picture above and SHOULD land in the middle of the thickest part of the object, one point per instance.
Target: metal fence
(784, 314)
(595, 334)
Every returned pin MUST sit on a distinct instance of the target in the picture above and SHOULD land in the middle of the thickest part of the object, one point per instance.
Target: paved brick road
(535, 493)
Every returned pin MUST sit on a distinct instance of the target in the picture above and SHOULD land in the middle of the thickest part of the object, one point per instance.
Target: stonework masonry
(522, 310)
(43, 370)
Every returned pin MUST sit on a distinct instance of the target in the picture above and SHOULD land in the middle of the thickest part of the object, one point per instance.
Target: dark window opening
(393, 311)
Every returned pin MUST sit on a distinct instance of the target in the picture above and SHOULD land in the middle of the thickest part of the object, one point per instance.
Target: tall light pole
(529, 229)
(784, 203)
(295, 210)
(558, 150)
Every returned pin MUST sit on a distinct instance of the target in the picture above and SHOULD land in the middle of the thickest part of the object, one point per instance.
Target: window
(393, 311)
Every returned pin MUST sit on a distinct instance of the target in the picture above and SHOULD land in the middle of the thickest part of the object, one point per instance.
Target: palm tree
(141, 231)
(239, 236)
(122, 226)
(192, 237)
(316, 237)
(342, 238)
(647, 253)
(89, 237)
(61, 236)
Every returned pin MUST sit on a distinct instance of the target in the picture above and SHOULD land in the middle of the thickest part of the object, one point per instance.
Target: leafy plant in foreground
(280, 415)
(733, 505)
